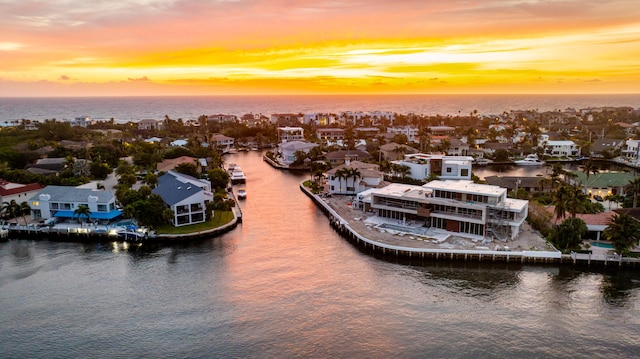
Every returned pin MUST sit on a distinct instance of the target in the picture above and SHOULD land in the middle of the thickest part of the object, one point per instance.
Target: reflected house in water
(460, 207)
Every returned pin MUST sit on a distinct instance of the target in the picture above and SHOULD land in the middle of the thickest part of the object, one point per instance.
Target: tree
(219, 178)
(189, 169)
(633, 188)
(623, 231)
(340, 174)
(24, 209)
(590, 168)
(301, 156)
(82, 211)
(560, 197)
(352, 172)
(569, 233)
(575, 200)
(11, 209)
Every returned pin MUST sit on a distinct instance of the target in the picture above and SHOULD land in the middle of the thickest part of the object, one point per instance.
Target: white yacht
(530, 160)
(237, 176)
(481, 161)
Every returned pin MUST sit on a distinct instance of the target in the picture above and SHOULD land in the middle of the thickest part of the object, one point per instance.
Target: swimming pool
(602, 245)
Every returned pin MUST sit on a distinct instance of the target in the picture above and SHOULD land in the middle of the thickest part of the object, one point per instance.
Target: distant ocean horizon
(124, 109)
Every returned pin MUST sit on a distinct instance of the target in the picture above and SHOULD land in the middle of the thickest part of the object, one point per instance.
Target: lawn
(219, 218)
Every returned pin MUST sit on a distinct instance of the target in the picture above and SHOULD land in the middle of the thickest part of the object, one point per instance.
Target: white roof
(561, 143)
(463, 186)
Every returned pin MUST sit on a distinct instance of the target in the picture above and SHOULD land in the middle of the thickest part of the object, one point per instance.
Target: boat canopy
(94, 215)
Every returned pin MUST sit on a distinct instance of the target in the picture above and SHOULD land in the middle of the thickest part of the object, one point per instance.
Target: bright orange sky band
(236, 47)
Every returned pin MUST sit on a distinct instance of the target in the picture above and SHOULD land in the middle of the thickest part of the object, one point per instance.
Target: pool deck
(368, 226)
(529, 246)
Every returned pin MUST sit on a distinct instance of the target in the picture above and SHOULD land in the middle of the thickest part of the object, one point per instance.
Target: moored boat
(482, 161)
(530, 160)
(237, 176)
(242, 193)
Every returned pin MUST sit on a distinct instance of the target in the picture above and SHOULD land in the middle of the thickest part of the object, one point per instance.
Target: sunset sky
(233, 47)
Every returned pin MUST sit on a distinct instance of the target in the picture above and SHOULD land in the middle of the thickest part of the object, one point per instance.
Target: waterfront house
(561, 148)
(353, 177)
(62, 201)
(602, 146)
(288, 150)
(171, 163)
(338, 157)
(423, 165)
(512, 183)
(286, 134)
(220, 118)
(330, 134)
(285, 119)
(601, 183)
(150, 124)
(410, 132)
(48, 166)
(457, 148)
(461, 208)
(82, 121)
(441, 130)
(631, 151)
(366, 132)
(319, 119)
(186, 196)
(18, 192)
(393, 151)
(222, 142)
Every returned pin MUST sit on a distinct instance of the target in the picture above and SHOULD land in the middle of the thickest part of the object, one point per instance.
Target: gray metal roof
(73, 194)
(173, 191)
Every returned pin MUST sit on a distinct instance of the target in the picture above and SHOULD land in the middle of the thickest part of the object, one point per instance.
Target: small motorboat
(242, 193)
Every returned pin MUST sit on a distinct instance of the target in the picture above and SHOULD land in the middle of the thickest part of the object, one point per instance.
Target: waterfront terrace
(462, 208)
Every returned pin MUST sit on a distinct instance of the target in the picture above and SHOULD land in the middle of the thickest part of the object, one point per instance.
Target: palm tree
(11, 209)
(575, 200)
(355, 173)
(340, 174)
(623, 231)
(633, 187)
(560, 198)
(82, 211)
(24, 209)
(589, 167)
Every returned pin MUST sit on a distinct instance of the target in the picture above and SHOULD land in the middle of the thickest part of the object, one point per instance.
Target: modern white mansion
(459, 207)
(422, 165)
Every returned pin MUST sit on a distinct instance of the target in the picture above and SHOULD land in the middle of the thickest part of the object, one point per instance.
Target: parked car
(598, 198)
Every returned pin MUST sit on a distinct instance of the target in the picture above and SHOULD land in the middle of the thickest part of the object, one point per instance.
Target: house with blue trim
(187, 196)
(61, 202)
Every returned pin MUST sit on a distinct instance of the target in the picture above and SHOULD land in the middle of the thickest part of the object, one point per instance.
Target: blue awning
(94, 215)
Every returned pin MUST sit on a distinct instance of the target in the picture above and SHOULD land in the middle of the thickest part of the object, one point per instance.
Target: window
(448, 169)
(54, 206)
(102, 208)
(464, 172)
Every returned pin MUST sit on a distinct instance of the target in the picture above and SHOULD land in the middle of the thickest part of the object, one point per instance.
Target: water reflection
(617, 288)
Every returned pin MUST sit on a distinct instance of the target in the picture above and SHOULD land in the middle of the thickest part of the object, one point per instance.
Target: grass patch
(219, 218)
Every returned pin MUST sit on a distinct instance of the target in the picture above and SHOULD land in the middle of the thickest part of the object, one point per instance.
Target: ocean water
(284, 284)
(124, 109)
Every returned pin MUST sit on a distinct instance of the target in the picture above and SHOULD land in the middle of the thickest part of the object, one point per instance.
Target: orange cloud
(264, 46)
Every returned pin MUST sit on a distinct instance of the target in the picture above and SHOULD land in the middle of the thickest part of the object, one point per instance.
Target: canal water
(283, 284)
